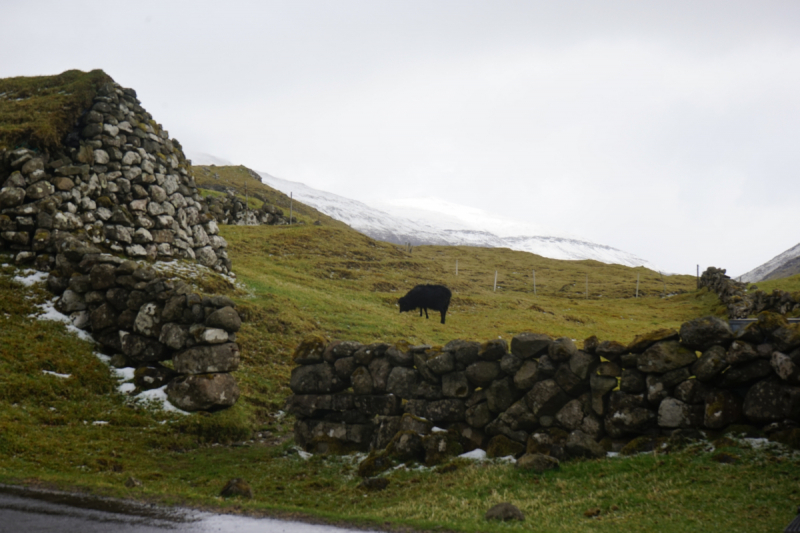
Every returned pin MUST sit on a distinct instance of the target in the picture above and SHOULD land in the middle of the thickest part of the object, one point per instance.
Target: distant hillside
(436, 222)
(781, 266)
(212, 179)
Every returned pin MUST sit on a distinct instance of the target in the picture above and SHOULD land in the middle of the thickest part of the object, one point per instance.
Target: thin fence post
(495, 281)
(534, 283)
(291, 207)
(637, 285)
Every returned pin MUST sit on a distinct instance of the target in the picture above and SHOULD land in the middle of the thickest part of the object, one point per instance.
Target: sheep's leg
(420, 311)
(426, 312)
(444, 312)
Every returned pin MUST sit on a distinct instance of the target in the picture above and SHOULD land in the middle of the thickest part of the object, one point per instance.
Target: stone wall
(542, 395)
(742, 303)
(119, 189)
(118, 181)
(143, 319)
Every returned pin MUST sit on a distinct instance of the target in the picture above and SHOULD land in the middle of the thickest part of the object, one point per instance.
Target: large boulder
(315, 379)
(203, 392)
(546, 398)
(530, 345)
(771, 401)
(225, 318)
(665, 356)
(204, 359)
(703, 333)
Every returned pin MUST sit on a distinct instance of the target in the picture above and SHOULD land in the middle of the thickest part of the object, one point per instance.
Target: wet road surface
(41, 511)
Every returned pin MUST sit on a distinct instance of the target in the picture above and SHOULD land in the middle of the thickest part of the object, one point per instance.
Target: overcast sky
(667, 129)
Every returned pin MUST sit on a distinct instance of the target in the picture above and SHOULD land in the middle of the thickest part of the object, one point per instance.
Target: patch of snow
(612, 454)
(56, 374)
(99, 423)
(438, 430)
(304, 455)
(31, 277)
(507, 459)
(476, 455)
(126, 388)
(159, 395)
(123, 374)
(49, 312)
(434, 221)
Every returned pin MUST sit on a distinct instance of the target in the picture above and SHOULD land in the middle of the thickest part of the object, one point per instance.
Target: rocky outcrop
(741, 302)
(544, 397)
(230, 209)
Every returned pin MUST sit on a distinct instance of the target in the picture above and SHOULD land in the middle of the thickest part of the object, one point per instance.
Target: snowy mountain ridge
(439, 222)
(782, 265)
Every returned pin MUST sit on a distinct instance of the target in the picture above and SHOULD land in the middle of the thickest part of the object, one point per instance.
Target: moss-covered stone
(310, 350)
(441, 446)
(375, 463)
(645, 443)
(642, 342)
(502, 446)
(406, 446)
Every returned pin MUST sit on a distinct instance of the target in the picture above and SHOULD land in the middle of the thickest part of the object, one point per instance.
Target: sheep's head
(404, 304)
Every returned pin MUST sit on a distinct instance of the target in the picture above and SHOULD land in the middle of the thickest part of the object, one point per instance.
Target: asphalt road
(39, 511)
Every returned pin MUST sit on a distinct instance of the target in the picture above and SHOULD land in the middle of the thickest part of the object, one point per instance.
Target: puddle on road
(35, 510)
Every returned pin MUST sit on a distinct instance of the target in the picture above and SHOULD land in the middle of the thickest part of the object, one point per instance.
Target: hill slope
(469, 227)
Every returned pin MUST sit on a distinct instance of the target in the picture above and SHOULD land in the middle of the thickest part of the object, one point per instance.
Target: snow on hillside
(763, 272)
(434, 221)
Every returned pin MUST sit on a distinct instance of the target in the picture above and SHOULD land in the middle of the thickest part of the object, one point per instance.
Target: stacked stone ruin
(117, 190)
(742, 303)
(119, 181)
(232, 210)
(544, 398)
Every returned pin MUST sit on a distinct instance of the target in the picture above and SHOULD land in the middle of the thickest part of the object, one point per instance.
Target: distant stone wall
(542, 395)
(742, 303)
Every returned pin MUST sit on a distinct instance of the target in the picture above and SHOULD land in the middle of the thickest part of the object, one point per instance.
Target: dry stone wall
(119, 189)
(119, 181)
(544, 396)
(742, 303)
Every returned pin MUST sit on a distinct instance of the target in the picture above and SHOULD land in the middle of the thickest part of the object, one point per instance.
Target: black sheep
(433, 297)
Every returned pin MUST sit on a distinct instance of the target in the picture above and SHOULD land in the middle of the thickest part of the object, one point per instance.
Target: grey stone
(537, 462)
(504, 512)
(702, 333)
(206, 359)
(174, 335)
(562, 349)
(665, 356)
(482, 373)
(710, 364)
(579, 444)
(530, 345)
(203, 392)
(546, 398)
(456, 385)
(673, 413)
(226, 318)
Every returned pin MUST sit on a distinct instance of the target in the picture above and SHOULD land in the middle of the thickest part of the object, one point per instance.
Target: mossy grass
(39, 111)
(77, 433)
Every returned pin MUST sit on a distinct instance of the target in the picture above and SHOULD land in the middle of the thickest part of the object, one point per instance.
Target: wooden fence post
(495, 281)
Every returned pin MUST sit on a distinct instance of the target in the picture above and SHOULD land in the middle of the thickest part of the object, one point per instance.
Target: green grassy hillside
(76, 433)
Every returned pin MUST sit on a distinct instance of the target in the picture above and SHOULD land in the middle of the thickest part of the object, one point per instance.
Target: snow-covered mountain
(785, 264)
(433, 221)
